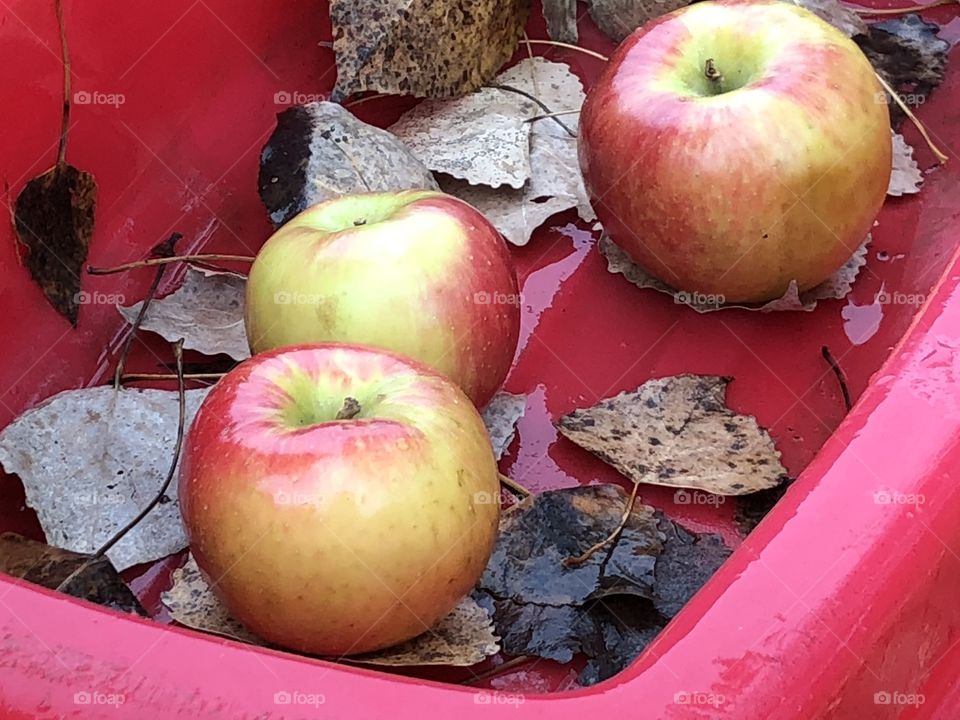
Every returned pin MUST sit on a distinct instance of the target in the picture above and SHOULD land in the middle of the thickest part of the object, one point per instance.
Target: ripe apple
(420, 273)
(731, 147)
(338, 498)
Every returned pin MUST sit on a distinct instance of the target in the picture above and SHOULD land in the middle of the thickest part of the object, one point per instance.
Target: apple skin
(425, 275)
(335, 537)
(738, 193)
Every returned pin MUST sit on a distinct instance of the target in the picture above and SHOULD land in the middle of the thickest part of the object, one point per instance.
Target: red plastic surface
(834, 598)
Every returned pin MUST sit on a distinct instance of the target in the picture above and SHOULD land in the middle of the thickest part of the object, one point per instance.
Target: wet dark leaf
(908, 54)
(751, 509)
(320, 151)
(561, 17)
(54, 216)
(607, 609)
(424, 48)
(48, 566)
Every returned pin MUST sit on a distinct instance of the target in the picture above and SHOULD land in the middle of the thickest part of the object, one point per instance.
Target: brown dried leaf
(206, 311)
(619, 18)
(424, 48)
(320, 151)
(54, 216)
(48, 567)
(906, 177)
(90, 460)
(483, 138)
(835, 287)
(561, 17)
(677, 432)
(464, 637)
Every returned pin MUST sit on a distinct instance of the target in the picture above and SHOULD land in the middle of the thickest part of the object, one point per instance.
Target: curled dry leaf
(465, 637)
(561, 17)
(483, 138)
(48, 567)
(605, 608)
(91, 459)
(834, 12)
(908, 54)
(678, 431)
(206, 311)
(618, 18)
(500, 416)
(53, 217)
(555, 182)
(836, 287)
(320, 151)
(424, 48)
(906, 177)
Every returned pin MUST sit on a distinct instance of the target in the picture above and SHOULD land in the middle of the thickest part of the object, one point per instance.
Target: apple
(339, 499)
(420, 273)
(731, 147)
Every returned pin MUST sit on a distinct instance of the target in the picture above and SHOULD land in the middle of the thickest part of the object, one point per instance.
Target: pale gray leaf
(906, 177)
(561, 17)
(500, 416)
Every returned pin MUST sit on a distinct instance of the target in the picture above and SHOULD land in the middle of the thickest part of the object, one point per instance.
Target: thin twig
(535, 118)
(163, 261)
(361, 101)
(161, 493)
(539, 102)
(501, 668)
(579, 560)
(140, 377)
(514, 487)
(913, 118)
(65, 122)
(164, 249)
(568, 46)
(899, 11)
(841, 376)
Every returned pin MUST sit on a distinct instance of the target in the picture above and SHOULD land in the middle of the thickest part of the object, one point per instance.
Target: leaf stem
(899, 11)
(913, 118)
(841, 377)
(165, 260)
(65, 121)
(539, 102)
(514, 487)
(579, 560)
(501, 668)
(568, 46)
(139, 377)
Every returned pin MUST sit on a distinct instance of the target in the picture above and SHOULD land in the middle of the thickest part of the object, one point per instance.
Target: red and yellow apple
(337, 498)
(420, 273)
(731, 147)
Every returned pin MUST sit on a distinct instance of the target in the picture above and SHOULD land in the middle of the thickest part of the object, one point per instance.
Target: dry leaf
(92, 459)
(835, 13)
(619, 18)
(500, 416)
(561, 17)
(677, 431)
(54, 216)
(908, 54)
(206, 311)
(424, 48)
(320, 151)
(465, 637)
(906, 177)
(836, 287)
(48, 567)
(555, 183)
(483, 138)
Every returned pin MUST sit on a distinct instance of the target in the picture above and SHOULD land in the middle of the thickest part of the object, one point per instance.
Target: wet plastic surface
(834, 598)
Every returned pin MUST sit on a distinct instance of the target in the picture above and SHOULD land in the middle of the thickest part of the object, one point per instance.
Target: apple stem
(351, 408)
(712, 74)
(165, 260)
(579, 560)
(941, 157)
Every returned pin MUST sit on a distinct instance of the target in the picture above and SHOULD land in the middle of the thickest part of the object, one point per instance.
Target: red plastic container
(835, 604)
